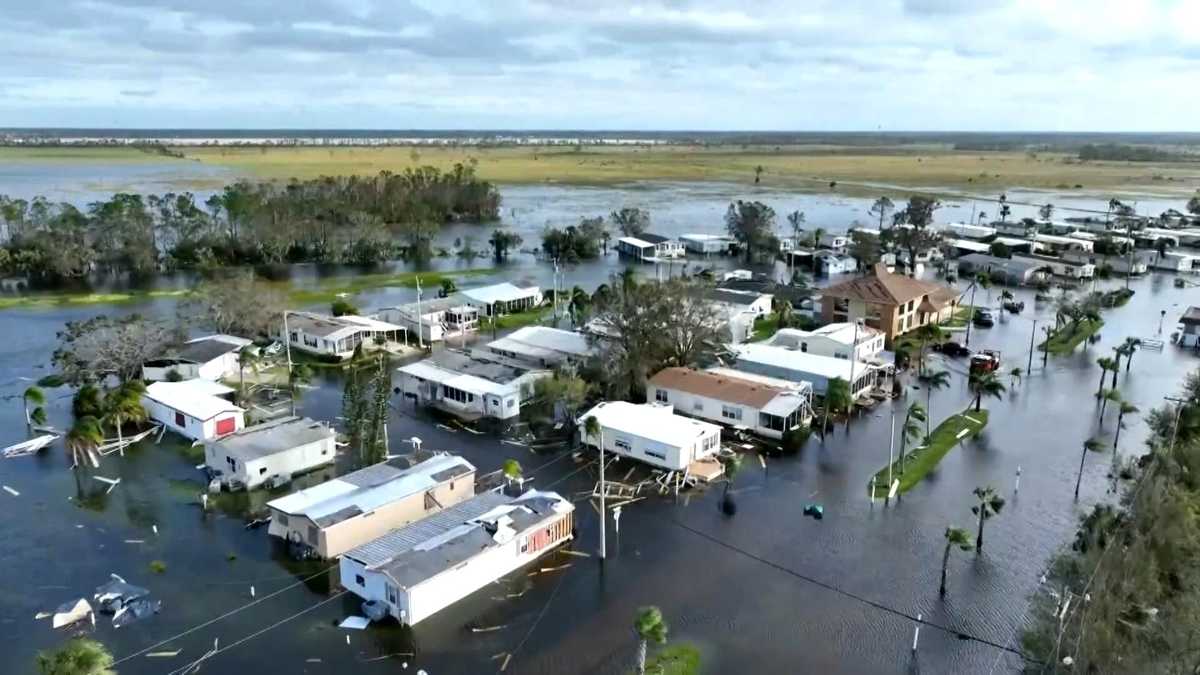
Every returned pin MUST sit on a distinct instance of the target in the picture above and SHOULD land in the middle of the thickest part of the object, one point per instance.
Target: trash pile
(125, 602)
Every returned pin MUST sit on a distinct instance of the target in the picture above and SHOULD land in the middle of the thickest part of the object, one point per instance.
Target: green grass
(78, 155)
(1067, 338)
(522, 319)
(919, 462)
(52, 300)
(765, 327)
(675, 659)
(959, 320)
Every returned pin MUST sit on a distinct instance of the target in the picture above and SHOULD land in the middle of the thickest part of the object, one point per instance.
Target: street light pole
(1162, 314)
(971, 314)
(853, 358)
(287, 340)
(1032, 334)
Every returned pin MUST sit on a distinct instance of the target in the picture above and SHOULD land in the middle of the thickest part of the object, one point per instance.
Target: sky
(1000, 65)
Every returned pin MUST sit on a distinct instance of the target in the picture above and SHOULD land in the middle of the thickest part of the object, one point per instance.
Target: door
(226, 426)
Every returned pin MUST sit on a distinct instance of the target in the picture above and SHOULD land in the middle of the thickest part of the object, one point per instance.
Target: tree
(84, 435)
(865, 248)
(933, 381)
(882, 207)
(989, 504)
(928, 334)
(501, 241)
(918, 238)
(237, 304)
(752, 225)
(1090, 445)
(911, 429)
(797, 220)
(36, 397)
(783, 312)
(631, 221)
(1046, 211)
(1015, 374)
(87, 402)
(248, 357)
(837, 395)
(999, 249)
(956, 537)
(1128, 347)
(733, 465)
(79, 656)
(1126, 408)
(561, 395)
(985, 384)
(123, 405)
(579, 306)
(512, 471)
(94, 349)
(758, 170)
(447, 287)
(1106, 364)
(343, 307)
(649, 626)
(1005, 211)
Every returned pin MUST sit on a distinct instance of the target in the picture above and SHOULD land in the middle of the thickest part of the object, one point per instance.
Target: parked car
(1014, 306)
(986, 361)
(984, 319)
(952, 349)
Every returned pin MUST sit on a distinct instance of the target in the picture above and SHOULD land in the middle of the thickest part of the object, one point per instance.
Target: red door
(226, 426)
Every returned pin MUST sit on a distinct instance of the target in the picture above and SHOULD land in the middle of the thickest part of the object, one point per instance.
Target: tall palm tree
(817, 234)
(933, 381)
(123, 405)
(1090, 445)
(650, 626)
(85, 435)
(956, 537)
(837, 395)
(783, 312)
(989, 505)
(592, 429)
(579, 305)
(1130, 346)
(733, 465)
(927, 334)
(1015, 374)
(911, 428)
(247, 358)
(985, 384)
(1106, 364)
(37, 398)
(1127, 408)
(1110, 395)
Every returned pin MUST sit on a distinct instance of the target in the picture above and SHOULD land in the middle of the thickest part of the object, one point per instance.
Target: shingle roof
(885, 288)
(720, 387)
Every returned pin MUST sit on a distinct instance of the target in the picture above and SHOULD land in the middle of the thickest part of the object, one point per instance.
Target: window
(731, 412)
(358, 579)
(698, 405)
(392, 595)
(657, 455)
(281, 518)
(660, 395)
(510, 404)
(262, 471)
(709, 443)
(804, 347)
(622, 444)
(180, 419)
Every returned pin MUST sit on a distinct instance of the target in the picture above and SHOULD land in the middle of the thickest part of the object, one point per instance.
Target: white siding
(254, 472)
(674, 458)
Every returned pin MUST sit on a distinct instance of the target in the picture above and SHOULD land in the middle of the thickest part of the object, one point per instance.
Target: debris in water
(136, 611)
(355, 622)
(163, 655)
(71, 612)
(487, 629)
(11, 491)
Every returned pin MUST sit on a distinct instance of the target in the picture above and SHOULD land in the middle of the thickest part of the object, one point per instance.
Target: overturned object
(815, 510)
(71, 612)
(136, 610)
(116, 594)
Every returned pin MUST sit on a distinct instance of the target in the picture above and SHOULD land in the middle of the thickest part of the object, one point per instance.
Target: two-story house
(891, 303)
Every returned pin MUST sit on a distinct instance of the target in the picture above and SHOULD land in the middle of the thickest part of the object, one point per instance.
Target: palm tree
(579, 305)
(1106, 364)
(783, 312)
(79, 656)
(989, 505)
(1110, 395)
(733, 465)
(955, 537)
(512, 471)
(1130, 346)
(817, 235)
(1015, 374)
(837, 395)
(1127, 408)
(85, 435)
(300, 375)
(1090, 445)
(933, 381)
(929, 333)
(37, 397)
(911, 428)
(124, 405)
(650, 626)
(87, 402)
(591, 429)
(247, 358)
(985, 384)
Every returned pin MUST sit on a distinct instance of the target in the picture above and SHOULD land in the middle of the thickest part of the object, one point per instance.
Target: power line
(853, 596)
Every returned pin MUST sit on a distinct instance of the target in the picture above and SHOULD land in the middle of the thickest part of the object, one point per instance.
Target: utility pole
(287, 340)
(1032, 335)
(971, 314)
(1162, 314)
(603, 489)
(887, 497)
(1046, 351)
(1178, 410)
(555, 282)
(420, 329)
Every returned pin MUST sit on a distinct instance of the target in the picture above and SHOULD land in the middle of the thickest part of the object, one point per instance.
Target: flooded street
(768, 587)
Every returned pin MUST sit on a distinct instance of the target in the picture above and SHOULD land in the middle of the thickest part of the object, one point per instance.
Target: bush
(794, 439)
(342, 307)
(158, 566)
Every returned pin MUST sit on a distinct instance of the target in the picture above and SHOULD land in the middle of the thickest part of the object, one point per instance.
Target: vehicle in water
(985, 361)
(983, 318)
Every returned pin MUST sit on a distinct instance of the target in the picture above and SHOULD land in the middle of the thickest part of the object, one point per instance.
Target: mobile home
(652, 433)
(733, 400)
(195, 409)
(281, 448)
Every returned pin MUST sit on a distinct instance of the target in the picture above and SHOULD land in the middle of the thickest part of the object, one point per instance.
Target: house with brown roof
(765, 406)
(892, 303)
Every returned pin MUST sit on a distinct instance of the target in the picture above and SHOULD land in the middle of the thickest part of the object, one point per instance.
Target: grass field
(1066, 339)
(81, 155)
(810, 167)
(919, 462)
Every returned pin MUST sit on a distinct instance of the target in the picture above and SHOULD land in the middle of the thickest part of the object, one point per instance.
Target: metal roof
(653, 422)
(1191, 316)
(271, 438)
(205, 350)
(385, 548)
(196, 398)
(504, 292)
(328, 327)
(537, 340)
(369, 488)
(731, 297)
(797, 361)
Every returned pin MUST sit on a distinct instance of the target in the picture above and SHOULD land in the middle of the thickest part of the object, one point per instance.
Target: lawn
(765, 327)
(521, 319)
(52, 300)
(1067, 338)
(676, 659)
(920, 461)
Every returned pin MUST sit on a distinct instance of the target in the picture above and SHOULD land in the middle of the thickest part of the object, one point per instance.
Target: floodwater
(768, 590)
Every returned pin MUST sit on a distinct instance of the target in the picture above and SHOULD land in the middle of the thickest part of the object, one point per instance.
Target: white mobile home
(542, 347)
(652, 433)
(469, 386)
(214, 357)
(337, 515)
(504, 298)
(794, 365)
(194, 409)
(967, 231)
(317, 334)
(705, 244)
(835, 339)
(416, 571)
(1005, 270)
(736, 401)
(434, 320)
(664, 247)
(1059, 266)
(284, 447)
(1176, 261)
(1121, 263)
(829, 263)
(1189, 332)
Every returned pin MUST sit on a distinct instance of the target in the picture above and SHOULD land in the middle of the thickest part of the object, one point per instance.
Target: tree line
(337, 219)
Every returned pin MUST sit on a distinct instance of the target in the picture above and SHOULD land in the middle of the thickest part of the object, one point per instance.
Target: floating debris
(355, 623)
(163, 655)
(136, 611)
(72, 612)
(30, 447)
(487, 629)
(114, 595)
(11, 491)
(111, 482)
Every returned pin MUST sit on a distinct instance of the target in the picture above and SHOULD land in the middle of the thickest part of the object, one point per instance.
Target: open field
(920, 461)
(810, 167)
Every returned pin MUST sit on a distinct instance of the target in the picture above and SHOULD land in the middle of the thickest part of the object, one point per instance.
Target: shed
(195, 409)
(282, 447)
(213, 357)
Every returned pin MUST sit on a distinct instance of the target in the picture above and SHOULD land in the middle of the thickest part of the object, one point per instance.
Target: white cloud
(712, 64)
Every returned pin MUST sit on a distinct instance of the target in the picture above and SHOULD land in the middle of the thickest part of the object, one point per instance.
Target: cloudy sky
(603, 64)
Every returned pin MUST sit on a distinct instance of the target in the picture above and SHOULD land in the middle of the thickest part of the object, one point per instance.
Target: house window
(660, 395)
(358, 579)
(180, 420)
(262, 471)
(622, 444)
(392, 595)
(804, 347)
(657, 455)
(312, 535)
(698, 405)
(281, 518)
(731, 412)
